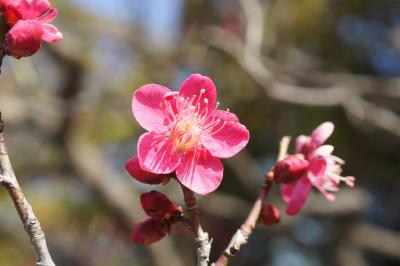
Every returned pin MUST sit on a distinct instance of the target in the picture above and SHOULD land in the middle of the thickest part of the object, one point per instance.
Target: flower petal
(24, 38)
(324, 150)
(230, 136)
(200, 171)
(316, 170)
(33, 9)
(202, 89)
(301, 143)
(148, 231)
(322, 133)
(286, 191)
(50, 15)
(51, 33)
(157, 205)
(157, 154)
(134, 169)
(299, 195)
(148, 107)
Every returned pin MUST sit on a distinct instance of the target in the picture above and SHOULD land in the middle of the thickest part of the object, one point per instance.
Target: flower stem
(203, 242)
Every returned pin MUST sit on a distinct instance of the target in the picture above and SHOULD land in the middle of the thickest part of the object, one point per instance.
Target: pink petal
(324, 150)
(316, 170)
(286, 191)
(134, 169)
(301, 143)
(51, 33)
(33, 9)
(322, 133)
(157, 205)
(299, 195)
(24, 38)
(200, 171)
(49, 15)
(148, 231)
(202, 89)
(229, 138)
(157, 154)
(148, 107)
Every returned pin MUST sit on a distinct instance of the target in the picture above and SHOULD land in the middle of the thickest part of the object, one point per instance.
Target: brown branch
(28, 218)
(203, 242)
(243, 233)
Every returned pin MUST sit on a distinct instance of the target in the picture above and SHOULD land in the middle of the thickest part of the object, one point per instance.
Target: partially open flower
(27, 25)
(324, 170)
(161, 212)
(270, 215)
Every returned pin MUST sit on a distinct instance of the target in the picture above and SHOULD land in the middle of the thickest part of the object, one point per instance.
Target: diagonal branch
(28, 218)
(243, 233)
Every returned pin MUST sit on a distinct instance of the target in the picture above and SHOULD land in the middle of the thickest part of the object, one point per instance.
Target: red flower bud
(290, 169)
(148, 231)
(270, 215)
(134, 169)
(158, 206)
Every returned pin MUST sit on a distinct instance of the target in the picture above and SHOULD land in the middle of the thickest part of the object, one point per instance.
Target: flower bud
(270, 214)
(290, 169)
(148, 231)
(158, 206)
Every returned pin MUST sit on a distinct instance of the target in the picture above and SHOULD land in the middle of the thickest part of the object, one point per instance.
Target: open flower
(323, 171)
(27, 25)
(187, 134)
(161, 212)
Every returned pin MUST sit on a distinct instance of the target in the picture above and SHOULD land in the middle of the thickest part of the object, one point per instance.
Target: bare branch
(28, 218)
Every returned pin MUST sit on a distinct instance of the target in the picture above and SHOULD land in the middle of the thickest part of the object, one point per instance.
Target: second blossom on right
(313, 165)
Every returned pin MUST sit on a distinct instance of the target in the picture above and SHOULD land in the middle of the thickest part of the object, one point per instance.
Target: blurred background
(283, 66)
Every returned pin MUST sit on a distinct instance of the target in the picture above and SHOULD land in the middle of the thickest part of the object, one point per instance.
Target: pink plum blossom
(187, 133)
(27, 22)
(323, 172)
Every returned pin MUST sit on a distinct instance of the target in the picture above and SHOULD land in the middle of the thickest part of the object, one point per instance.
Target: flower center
(186, 130)
(190, 120)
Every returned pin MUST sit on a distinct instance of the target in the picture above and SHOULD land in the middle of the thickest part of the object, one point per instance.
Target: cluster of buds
(25, 24)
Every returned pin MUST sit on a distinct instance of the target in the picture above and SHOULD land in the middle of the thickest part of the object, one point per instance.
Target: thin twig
(243, 233)
(203, 242)
(28, 218)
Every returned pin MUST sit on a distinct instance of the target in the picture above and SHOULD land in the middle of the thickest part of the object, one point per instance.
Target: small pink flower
(161, 212)
(270, 215)
(134, 169)
(27, 22)
(323, 171)
(187, 134)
